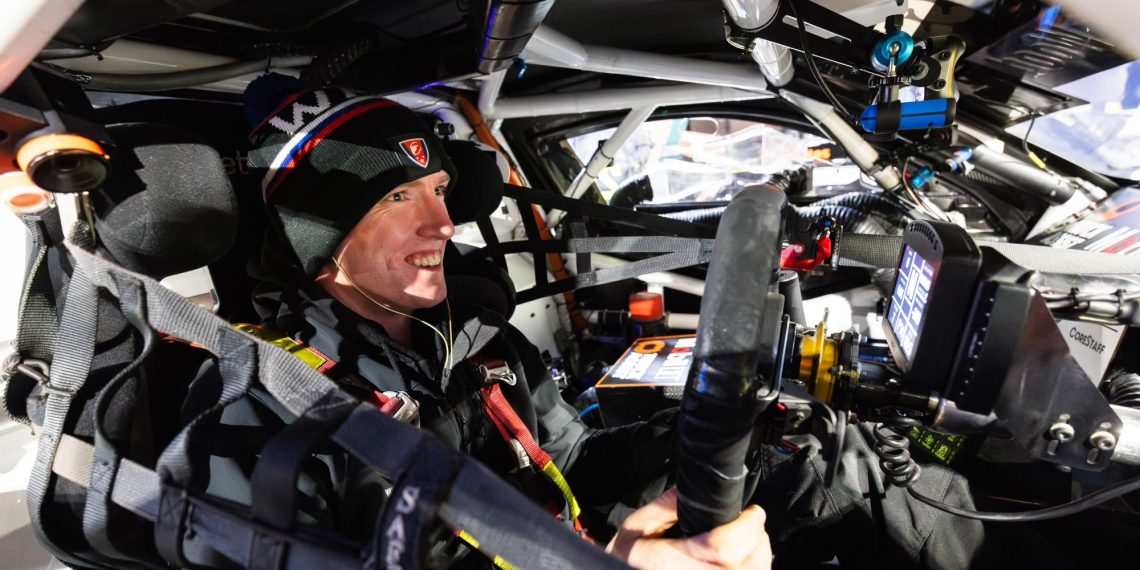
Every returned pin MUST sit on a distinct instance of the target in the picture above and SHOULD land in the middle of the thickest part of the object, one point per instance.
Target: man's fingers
(671, 553)
(731, 544)
(739, 545)
(655, 517)
(761, 556)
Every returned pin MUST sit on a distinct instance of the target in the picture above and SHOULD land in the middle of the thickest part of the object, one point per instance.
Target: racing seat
(476, 194)
(111, 483)
(223, 126)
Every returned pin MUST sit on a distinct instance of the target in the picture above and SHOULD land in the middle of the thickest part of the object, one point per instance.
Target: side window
(708, 159)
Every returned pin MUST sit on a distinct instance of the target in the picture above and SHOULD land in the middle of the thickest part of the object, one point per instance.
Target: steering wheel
(737, 338)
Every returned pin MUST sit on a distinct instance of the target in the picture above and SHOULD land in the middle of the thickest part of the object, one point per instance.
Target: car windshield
(703, 159)
(1102, 135)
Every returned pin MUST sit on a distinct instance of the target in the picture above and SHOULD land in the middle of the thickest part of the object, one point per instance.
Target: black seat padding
(167, 206)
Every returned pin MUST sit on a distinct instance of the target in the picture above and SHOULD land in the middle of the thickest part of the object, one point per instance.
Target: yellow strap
(555, 476)
(303, 353)
(498, 560)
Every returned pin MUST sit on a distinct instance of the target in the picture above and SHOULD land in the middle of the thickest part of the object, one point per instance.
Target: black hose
(848, 218)
(986, 180)
(793, 296)
(50, 54)
(872, 202)
(853, 213)
(1124, 390)
(709, 216)
(328, 66)
(1024, 178)
(736, 339)
(260, 50)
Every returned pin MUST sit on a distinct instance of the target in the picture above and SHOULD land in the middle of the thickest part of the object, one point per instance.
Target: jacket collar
(473, 326)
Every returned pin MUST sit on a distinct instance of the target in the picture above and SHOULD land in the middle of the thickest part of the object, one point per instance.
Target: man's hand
(740, 545)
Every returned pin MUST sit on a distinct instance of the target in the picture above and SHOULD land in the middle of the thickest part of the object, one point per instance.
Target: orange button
(645, 306)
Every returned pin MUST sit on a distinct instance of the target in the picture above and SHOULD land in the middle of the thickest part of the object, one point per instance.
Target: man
(356, 191)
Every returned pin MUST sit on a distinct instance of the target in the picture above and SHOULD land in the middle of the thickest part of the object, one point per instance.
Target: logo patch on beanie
(417, 150)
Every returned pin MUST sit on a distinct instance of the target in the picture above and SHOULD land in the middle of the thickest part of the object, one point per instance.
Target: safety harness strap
(273, 484)
(512, 428)
(478, 501)
(688, 248)
(73, 353)
(651, 222)
(401, 540)
(882, 252)
(37, 318)
(667, 262)
(99, 512)
(624, 244)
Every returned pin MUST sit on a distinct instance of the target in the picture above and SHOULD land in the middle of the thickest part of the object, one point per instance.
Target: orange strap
(512, 429)
(553, 260)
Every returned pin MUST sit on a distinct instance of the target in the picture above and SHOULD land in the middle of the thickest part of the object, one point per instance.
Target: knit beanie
(328, 156)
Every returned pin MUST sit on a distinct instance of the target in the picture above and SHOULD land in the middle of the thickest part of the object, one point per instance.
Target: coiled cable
(893, 450)
(901, 469)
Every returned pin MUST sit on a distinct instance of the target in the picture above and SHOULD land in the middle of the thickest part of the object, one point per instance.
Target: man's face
(395, 253)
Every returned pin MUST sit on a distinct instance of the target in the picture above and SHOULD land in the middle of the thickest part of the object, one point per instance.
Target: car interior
(913, 222)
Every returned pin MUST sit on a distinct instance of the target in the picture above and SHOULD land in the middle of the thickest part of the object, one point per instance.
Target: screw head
(1103, 440)
(1062, 432)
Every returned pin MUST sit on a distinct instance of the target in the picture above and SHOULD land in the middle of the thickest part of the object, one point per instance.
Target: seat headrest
(168, 206)
(479, 189)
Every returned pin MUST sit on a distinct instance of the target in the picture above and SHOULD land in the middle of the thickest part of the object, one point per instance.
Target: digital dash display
(908, 303)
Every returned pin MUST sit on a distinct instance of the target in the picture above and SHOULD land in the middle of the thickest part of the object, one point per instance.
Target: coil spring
(894, 456)
(1124, 390)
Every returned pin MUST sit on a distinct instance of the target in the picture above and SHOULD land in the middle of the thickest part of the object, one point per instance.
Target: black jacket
(610, 471)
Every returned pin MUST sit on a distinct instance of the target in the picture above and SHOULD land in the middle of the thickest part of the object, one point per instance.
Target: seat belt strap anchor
(494, 371)
(520, 453)
(39, 371)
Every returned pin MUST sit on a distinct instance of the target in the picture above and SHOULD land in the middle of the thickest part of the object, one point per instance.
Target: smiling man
(396, 248)
(356, 193)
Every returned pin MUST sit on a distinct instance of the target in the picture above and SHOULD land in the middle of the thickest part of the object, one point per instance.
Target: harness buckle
(521, 457)
(37, 370)
(496, 371)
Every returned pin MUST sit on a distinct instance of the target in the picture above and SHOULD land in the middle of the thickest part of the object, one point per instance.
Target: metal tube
(862, 153)
(685, 321)
(418, 101)
(775, 61)
(180, 79)
(557, 50)
(751, 14)
(1128, 446)
(444, 110)
(489, 92)
(613, 99)
(602, 158)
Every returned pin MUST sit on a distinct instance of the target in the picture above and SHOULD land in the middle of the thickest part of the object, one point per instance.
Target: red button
(646, 306)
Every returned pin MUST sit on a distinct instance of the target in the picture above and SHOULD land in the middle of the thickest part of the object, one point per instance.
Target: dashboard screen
(908, 303)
